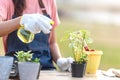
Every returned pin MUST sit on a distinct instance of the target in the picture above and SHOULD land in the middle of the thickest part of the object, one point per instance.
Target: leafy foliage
(23, 56)
(77, 40)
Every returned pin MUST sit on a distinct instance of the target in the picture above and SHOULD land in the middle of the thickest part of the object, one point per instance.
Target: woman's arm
(55, 52)
(9, 26)
(62, 63)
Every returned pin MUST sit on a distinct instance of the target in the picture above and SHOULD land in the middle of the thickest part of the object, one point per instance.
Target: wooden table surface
(56, 75)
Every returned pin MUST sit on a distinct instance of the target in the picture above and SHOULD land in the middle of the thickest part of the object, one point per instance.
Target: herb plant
(77, 40)
(23, 56)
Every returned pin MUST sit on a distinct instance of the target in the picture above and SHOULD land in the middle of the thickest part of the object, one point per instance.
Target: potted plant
(27, 67)
(77, 43)
(6, 63)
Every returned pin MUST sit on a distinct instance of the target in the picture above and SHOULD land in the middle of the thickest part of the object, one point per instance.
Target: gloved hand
(36, 23)
(64, 64)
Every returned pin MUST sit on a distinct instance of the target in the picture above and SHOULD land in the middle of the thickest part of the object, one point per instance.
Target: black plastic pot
(78, 70)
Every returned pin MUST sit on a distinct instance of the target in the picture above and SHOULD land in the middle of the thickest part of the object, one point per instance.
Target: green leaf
(23, 56)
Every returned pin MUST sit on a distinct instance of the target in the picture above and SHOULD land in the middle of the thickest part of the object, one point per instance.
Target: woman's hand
(65, 63)
(36, 23)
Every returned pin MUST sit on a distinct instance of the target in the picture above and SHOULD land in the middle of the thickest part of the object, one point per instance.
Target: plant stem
(74, 53)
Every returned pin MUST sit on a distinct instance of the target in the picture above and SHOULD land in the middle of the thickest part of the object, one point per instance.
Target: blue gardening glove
(36, 23)
(64, 64)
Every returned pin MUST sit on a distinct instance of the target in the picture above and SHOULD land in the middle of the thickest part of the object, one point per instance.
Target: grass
(106, 38)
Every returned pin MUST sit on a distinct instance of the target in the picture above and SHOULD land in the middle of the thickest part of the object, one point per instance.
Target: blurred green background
(101, 18)
(104, 32)
(104, 38)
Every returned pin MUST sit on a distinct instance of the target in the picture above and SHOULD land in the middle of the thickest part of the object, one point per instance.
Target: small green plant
(77, 40)
(23, 56)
